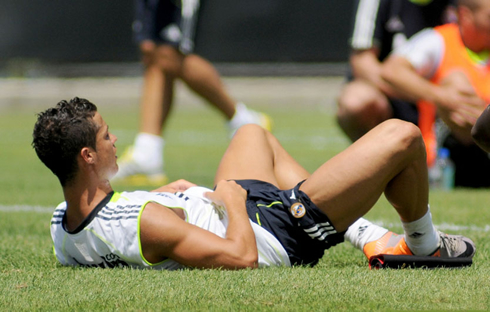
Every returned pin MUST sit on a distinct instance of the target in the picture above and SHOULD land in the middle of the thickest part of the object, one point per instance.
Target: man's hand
(176, 186)
(165, 235)
(227, 193)
(459, 106)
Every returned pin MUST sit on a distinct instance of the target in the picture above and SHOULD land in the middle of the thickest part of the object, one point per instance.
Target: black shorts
(306, 238)
(162, 22)
(405, 111)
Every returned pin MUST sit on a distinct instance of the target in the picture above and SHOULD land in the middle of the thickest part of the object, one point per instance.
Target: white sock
(242, 117)
(421, 236)
(148, 150)
(362, 232)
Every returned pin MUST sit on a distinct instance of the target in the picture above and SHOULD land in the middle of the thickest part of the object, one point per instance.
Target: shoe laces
(450, 243)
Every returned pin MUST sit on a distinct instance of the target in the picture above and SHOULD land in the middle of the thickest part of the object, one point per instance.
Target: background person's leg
(156, 101)
(203, 78)
(361, 107)
(142, 163)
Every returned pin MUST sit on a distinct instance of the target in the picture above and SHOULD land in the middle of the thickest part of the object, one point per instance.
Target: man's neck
(81, 199)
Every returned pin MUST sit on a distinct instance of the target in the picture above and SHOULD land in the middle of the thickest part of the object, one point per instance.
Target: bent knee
(250, 133)
(404, 135)
(169, 59)
(403, 129)
(363, 104)
(248, 129)
(351, 105)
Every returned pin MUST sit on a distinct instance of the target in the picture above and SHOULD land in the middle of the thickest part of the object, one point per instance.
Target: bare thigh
(254, 153)
(349, 184)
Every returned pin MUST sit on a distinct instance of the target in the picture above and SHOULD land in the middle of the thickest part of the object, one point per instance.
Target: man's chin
(113, 173)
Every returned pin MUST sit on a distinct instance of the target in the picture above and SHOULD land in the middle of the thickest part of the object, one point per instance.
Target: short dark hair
(61, 132)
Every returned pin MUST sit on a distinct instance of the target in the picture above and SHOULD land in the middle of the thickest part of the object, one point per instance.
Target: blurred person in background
(446, 70)
(379, 27)
(164, 31)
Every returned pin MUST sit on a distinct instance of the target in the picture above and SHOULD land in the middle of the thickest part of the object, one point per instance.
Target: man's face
(482, 23)
(476, 26)
(106, 149)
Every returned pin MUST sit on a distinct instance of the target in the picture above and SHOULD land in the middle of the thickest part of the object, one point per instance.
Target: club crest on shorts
(298, 210)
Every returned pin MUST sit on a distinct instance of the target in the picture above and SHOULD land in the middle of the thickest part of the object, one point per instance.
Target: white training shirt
(111, 238)
(424, 51)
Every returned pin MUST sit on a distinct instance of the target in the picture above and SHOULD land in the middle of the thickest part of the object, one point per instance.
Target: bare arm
(481, 130)
(165, 235)
(400, 74)
(366, 66)
(457, 103)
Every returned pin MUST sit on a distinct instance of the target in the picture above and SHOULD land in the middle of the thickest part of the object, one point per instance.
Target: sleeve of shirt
(367, 24)
(424, 51)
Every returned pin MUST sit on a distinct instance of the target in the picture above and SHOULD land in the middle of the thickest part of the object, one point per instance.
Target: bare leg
(256, 154)
(199, 75)
(156, 100)
(391, 158)
(143, 163)
(361, 107)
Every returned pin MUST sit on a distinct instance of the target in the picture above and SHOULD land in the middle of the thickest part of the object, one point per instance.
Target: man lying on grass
(265, 210)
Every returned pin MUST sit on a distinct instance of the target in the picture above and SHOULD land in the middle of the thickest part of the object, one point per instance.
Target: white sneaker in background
(135, 173)
(244, 115)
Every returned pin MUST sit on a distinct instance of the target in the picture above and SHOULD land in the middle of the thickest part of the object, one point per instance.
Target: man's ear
(88, 155)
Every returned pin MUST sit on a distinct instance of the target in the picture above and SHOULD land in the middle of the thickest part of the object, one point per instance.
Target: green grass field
(31, 279)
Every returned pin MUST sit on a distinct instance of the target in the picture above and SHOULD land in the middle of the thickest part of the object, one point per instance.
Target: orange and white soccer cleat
(450, 246)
